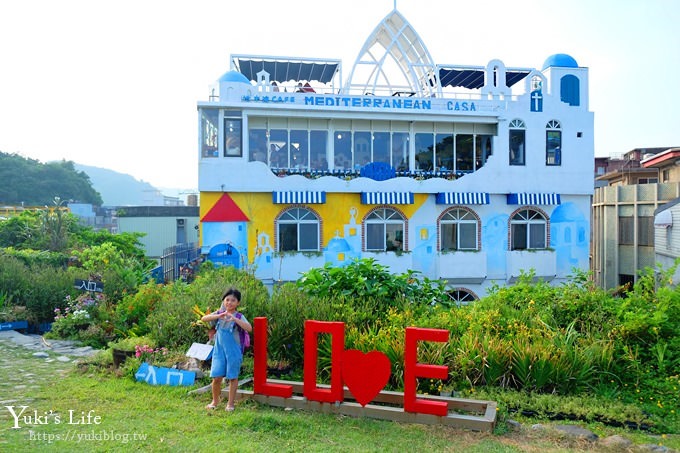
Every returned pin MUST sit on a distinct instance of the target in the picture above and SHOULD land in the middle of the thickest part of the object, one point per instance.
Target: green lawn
(99, 412)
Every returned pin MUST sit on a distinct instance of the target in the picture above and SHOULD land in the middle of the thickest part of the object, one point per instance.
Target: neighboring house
(163, 226)
(623, 238)
(470, 174)
(667, 236)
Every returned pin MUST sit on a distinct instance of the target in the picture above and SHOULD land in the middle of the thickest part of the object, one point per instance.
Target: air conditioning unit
(180, 222)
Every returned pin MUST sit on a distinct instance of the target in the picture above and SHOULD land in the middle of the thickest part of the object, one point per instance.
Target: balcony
(543, 262)
(462, 267)
(289, 265)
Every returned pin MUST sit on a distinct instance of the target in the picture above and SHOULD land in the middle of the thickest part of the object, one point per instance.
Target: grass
(138, 417)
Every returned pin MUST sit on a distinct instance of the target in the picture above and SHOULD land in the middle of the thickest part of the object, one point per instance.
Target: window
(528, 230)
(517, 142)
(647, 180)
(626, 230)
(464, 152)
(553, 143)
(461, 296)
(209, 131)
(298, 230)
(458, 230)
(232, 137)
(384, 230)
(646, 231)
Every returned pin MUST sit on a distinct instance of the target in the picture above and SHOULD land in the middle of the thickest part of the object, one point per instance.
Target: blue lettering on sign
(370, 102)
(463, 106)
(267, 99)
(164, 376)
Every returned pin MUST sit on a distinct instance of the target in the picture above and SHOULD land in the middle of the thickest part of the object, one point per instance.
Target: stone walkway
(27, 361)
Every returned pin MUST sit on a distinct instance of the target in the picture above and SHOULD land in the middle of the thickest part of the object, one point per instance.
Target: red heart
(365, 374)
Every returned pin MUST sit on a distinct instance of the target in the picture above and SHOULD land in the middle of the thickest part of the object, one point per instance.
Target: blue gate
(225, 255)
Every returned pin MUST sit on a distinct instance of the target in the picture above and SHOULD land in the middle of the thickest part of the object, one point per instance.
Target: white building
(470, 174)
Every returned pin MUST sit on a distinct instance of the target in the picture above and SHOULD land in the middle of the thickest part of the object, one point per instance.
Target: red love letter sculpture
(413, 370)
(312, 331)
(260, 384)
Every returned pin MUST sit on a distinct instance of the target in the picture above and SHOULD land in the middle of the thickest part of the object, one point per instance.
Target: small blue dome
(234, 77)
(561, 60)
(337, 244)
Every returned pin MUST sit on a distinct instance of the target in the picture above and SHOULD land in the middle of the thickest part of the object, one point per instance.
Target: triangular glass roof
(394, 61)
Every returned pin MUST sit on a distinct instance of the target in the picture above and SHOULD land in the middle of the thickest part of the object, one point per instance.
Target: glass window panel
(299, 148)
(424, 149)
(309, 236)
(278, 148)
(537, 235)
(464, 153)
(209, 133)
(257, 145)
(394, 237)
(519, 236)
(444, 150)
(232, 137)
(400, 151)
(468, 236)
(517, 144)
(375, 236)
(362, 149)
(381, 147)
(483, 149)
(553, 148)
(342, 149)
(288, 237)
(448, 236)
(317, 150)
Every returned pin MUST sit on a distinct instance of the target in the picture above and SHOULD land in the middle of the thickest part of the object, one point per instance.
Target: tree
(31, 183)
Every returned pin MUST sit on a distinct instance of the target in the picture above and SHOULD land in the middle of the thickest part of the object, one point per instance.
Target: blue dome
(234, 77)
(561, 60)
(338, 245)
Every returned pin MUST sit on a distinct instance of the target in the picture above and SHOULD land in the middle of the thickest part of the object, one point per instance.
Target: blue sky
(115, 84)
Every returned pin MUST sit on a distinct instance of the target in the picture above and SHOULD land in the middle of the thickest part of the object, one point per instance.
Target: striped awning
(291, 197)
(462, 198)
(534, 198)
(387, 198)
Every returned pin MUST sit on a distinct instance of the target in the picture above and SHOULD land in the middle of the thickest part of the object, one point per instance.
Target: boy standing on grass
(227, 353)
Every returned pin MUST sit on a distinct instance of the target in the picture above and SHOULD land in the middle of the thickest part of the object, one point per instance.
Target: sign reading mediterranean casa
(394, 103)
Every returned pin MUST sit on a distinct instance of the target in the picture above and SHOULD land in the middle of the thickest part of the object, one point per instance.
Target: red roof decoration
(225, 210)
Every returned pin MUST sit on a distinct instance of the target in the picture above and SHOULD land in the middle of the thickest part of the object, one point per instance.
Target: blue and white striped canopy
(293, 197)
(387, 198)
(534, 198)
(462, 198)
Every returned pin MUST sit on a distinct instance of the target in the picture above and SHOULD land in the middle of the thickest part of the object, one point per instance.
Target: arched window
(462, 296)
(458, 230)
(570, 90)
(528, 230)
(517, 142)
(385, 229)
(297, 229)
(553, 143)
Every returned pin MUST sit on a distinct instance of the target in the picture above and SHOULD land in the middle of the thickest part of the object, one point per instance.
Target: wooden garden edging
(463, 413)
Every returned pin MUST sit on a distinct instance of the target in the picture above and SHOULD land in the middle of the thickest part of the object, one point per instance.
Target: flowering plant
(77, 315)
(146, 353)
(208, 326)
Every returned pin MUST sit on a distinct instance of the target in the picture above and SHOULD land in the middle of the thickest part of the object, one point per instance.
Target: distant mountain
(119, 189)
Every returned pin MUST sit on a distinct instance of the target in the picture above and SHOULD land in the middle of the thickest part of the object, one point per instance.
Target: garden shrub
(15, 278)
(132, 311)
(172, 323)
